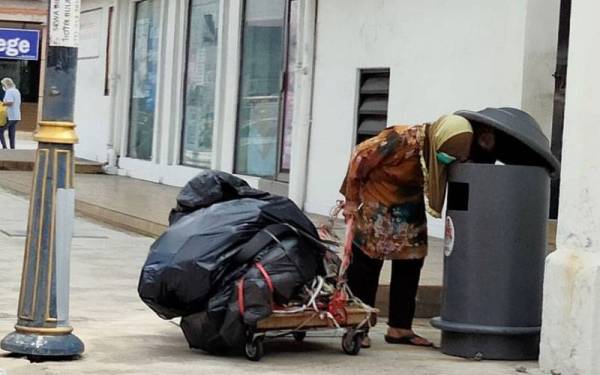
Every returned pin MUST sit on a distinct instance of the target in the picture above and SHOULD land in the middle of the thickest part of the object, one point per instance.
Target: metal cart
(357, 322)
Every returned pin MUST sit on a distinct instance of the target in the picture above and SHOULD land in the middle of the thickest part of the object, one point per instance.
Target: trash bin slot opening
(458, 196)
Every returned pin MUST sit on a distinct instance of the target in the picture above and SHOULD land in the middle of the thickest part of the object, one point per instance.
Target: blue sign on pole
(18, 44)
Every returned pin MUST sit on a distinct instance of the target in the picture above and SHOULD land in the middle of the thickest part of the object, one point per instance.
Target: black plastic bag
(215, 238)
(201, 331)
(188, 263)
(189, 258)
(276, 277)
(208, 188)
(273, 274)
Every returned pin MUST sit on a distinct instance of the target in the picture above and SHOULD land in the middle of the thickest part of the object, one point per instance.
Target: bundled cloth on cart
(229, 255)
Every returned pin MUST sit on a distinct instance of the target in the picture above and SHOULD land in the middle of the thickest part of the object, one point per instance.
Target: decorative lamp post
(42, 328)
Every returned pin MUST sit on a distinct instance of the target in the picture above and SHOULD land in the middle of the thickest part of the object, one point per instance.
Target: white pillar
(303, 106)
(571, 317)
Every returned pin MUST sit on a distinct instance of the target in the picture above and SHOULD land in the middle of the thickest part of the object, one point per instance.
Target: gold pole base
(56, 331)
(56, 132)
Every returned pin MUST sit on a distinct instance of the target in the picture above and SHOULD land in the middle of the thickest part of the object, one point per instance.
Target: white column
(303, 106)
(571, 316)
(228, 93)
(169, 100)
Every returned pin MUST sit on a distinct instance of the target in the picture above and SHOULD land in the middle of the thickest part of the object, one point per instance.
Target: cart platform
(357, 322)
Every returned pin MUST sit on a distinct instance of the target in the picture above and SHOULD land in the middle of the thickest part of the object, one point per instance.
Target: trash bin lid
(521, 140)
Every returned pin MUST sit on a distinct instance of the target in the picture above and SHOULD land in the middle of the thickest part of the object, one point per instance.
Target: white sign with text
(64, 23)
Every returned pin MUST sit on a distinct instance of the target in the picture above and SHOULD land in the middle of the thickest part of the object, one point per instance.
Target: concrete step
(23, 160)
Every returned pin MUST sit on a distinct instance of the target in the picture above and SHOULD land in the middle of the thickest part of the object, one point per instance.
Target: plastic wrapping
(274, 276)
(188, 263)
(211, 187)
(230, 253)
(192, 255)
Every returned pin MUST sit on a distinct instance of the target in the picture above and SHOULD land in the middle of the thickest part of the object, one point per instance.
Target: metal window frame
(279, 174)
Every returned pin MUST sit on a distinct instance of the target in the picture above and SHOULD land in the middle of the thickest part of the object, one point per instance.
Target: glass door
(200, 83)
(266, 95)
(143, 82)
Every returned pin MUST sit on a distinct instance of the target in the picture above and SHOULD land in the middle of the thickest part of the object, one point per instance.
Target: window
(143, 83)
(201, 72)
(266, 88)
(25, 74)
(373, 96)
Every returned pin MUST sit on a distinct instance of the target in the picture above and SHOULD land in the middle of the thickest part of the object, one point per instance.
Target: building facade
(159, 87)
(280, 91)
(24, 15)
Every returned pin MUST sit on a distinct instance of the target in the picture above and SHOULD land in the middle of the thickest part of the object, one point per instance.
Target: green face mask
(444, 158)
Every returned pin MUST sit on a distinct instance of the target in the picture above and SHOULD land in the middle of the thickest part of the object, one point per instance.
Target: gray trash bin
(495, 243)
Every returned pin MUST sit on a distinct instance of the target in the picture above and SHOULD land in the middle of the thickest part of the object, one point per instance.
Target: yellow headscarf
(435, 173)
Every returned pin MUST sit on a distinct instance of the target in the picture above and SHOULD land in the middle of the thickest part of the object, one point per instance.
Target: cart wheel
(254, 349)
(352, 342)
(299, 336)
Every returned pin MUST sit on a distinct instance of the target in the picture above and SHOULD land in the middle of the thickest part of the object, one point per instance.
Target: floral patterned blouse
(385, 178)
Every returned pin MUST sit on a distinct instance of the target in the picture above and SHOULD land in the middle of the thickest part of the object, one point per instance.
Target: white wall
(571, 313)
(92, 107)
(443, 55)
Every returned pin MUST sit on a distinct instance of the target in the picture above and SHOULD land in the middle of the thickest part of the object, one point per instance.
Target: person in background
(12, 100)
(393, 179)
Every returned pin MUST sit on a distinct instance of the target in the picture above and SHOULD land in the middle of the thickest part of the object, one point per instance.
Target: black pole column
(43, 328)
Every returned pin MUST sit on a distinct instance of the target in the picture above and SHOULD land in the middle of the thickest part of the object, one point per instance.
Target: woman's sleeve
(361, 165)
(8, 98)
(351, 186)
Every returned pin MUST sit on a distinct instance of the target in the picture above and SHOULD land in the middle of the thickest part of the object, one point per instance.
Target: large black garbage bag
(187, 264)
(276, 277)
(210, 187)
(278, 211)
(191, 256)
(203, 330)
(279, 261)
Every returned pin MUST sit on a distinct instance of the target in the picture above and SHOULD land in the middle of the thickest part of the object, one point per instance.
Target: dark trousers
(363, 280)
(11, 126)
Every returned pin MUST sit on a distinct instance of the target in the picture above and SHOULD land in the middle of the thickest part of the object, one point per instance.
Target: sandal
(406, 340)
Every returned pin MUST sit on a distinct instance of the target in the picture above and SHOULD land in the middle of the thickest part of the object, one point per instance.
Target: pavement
(122, 336)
